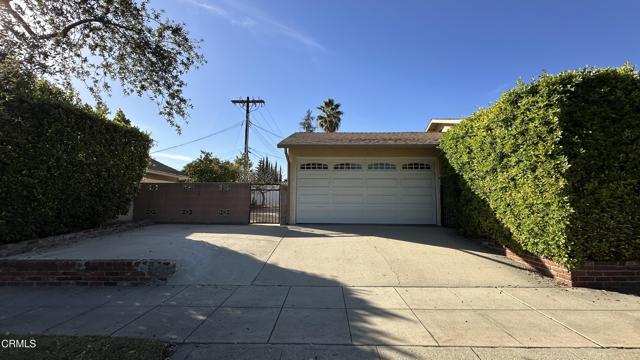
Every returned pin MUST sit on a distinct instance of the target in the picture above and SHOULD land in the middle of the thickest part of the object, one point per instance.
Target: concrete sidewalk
(307, 352)
(396, 319)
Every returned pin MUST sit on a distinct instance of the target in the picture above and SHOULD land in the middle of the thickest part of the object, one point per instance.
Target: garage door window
(381, 166)
(314, 166)
(347, 166)
(416, 166)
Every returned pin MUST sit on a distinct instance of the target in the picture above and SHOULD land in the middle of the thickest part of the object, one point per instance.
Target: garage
(365, 191)
(363, 178)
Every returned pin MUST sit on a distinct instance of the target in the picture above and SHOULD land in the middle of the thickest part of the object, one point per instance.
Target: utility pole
(249, 105)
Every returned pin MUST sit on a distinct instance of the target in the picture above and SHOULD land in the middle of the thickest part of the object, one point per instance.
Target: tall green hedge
(553, 167)
(63, 167)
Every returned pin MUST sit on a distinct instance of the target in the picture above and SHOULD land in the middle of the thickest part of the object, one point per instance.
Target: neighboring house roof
(397, 139)
(160, 168)
(441, 125)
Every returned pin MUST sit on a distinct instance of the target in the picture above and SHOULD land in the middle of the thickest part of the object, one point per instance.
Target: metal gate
(265, 204)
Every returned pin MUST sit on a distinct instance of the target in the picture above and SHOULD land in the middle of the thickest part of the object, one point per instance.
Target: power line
(265, 140)
(235, 144)
(198, 139)
(269, 131)
(268, 154)
(266, 121)
(273, 118)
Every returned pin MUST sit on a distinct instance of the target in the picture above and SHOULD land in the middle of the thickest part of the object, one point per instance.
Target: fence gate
(265, 204)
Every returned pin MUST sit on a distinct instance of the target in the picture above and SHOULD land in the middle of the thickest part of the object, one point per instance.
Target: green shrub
(557, 164)
(63, 167)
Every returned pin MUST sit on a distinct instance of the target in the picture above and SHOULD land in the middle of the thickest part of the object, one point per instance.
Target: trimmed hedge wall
(553, 167)
(63, 167)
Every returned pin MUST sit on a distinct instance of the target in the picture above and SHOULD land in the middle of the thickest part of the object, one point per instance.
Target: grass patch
(84, 347)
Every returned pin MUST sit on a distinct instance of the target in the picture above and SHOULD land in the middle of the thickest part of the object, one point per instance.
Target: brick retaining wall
(593, 274)
(52, 272)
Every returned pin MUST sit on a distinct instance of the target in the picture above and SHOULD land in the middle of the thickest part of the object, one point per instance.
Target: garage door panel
(421, 194)
(389, 199)
(314, 182)
(315, 199)
(379, 196)
(416, 183)
(348, 182)
(382, 183)
(355, 199)
(345, 191)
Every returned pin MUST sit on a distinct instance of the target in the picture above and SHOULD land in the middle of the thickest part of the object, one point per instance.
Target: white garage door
(365, 191)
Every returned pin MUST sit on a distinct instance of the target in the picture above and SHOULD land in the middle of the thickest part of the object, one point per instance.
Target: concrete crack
(395, 273)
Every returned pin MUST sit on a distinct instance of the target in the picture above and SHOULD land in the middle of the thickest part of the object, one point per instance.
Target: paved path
(380, 321)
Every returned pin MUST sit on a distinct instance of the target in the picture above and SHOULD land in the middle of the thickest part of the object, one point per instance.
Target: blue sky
(392, 64)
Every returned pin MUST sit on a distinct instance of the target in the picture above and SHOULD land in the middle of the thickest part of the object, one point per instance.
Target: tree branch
(6, 6)
(65, 30)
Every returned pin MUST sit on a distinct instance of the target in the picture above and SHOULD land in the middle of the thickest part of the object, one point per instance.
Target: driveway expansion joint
(278, 317)
(417, 317)
(554, 320)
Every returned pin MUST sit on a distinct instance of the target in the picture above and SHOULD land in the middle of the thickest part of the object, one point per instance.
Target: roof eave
(285, 146)
(158, 172)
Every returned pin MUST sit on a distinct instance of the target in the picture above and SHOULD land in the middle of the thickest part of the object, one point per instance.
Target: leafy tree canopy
(208, 168)
(331, 116)
(100, 42)
(244, 166)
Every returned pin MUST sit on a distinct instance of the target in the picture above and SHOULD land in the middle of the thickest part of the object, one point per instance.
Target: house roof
(157, 166)
(438, 125)
(393, 139)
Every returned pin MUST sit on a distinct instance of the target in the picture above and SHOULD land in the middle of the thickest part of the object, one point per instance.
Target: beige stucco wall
(293, 154)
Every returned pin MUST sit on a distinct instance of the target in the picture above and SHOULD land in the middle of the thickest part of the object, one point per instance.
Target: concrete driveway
(356, 292)
(328, 255)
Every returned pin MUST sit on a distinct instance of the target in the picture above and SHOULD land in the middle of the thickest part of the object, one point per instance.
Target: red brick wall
(193, 203)
(594, 274)
(119, 272)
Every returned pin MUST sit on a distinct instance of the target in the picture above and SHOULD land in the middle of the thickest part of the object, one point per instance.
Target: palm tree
(331, 115)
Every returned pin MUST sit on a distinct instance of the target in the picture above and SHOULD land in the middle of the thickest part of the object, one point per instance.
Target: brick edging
(592, 274)
(78, 272)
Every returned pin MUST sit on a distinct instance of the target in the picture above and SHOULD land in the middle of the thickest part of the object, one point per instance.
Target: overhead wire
(266, 121)
(269, 131)
(273, 118)
(264, 153)
(265, 141)
(198, 139)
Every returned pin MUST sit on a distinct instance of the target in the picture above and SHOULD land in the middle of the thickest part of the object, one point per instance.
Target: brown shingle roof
(158, 166)
(420, 139)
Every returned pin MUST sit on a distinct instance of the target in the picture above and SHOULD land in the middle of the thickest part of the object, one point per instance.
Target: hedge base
(41, 244)
(593, 274)
(51, 272)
